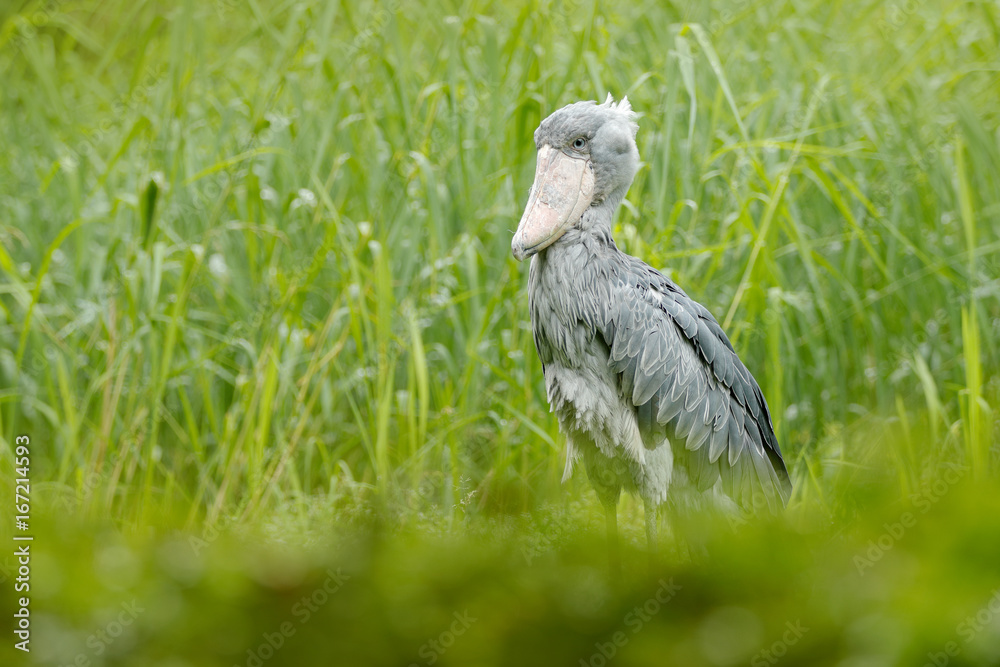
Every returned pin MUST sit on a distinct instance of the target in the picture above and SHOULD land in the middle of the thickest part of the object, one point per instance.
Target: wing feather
(679, 369)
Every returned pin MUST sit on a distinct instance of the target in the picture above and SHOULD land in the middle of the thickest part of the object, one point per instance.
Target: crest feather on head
(624, 108)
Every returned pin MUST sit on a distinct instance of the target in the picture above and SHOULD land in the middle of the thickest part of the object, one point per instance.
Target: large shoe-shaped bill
(562, 191)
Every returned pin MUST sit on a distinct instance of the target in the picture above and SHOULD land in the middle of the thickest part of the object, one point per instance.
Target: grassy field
(260, 321)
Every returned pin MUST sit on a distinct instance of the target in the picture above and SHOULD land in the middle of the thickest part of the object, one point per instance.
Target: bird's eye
(580, 143)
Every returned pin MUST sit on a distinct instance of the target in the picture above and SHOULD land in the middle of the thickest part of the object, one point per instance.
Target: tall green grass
(254, 256)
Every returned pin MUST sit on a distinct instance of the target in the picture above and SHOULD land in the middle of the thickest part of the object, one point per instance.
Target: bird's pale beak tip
(517, 249)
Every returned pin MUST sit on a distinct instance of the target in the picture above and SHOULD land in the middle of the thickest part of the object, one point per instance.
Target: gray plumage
(642, 378)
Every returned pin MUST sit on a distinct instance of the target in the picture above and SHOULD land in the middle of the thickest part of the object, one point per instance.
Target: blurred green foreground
(259, 319)
(909, 580)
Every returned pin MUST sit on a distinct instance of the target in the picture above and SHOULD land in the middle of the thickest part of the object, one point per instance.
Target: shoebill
(644, 382)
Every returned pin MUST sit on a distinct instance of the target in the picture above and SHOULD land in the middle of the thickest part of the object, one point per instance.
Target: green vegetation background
(259, 318)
